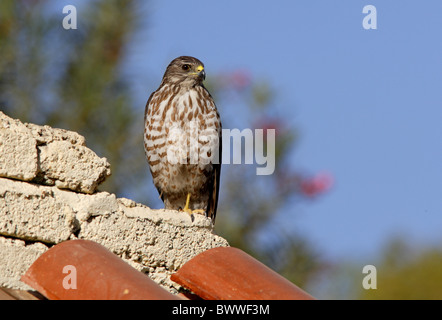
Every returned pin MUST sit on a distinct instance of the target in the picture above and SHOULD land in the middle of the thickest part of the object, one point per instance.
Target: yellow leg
(189, 211)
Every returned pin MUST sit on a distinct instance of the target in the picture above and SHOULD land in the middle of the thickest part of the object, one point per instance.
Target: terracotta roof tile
(99, 274)
(222, 273)
(227, 273)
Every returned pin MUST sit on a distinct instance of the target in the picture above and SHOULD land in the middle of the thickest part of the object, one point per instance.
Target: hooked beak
(201, 73)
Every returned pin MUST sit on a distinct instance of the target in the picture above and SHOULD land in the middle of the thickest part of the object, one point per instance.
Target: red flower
(240, 79)
(269, 123)
(320, 183)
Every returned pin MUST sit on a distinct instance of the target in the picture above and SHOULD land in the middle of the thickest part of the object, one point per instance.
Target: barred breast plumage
(182, 139)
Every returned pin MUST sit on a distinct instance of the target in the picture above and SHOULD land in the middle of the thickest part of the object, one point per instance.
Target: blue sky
(367, 103)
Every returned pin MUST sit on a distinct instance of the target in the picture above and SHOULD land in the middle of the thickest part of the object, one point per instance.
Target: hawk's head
(185, 71)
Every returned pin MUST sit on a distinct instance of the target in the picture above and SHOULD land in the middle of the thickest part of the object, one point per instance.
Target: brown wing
(214, 187)
(147, 106)
(146, 109)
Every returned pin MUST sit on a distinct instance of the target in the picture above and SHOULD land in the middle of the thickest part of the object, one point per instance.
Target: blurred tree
(404, 273)
(73, 79)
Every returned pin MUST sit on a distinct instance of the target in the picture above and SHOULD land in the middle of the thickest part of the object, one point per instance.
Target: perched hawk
(182, 139)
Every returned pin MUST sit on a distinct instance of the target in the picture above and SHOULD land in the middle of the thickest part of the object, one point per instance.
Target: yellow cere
(200, 68)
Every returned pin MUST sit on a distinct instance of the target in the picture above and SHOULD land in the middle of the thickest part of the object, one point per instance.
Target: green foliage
(404, 273)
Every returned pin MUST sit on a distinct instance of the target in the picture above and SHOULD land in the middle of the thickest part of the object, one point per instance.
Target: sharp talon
(190, 211)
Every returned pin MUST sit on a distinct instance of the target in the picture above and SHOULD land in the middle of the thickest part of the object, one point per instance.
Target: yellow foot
(191, 212)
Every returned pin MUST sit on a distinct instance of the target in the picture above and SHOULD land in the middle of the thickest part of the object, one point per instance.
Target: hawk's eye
(186, 67)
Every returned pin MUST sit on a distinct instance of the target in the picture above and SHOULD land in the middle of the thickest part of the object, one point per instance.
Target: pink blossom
(240, 79)
(318, 184)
